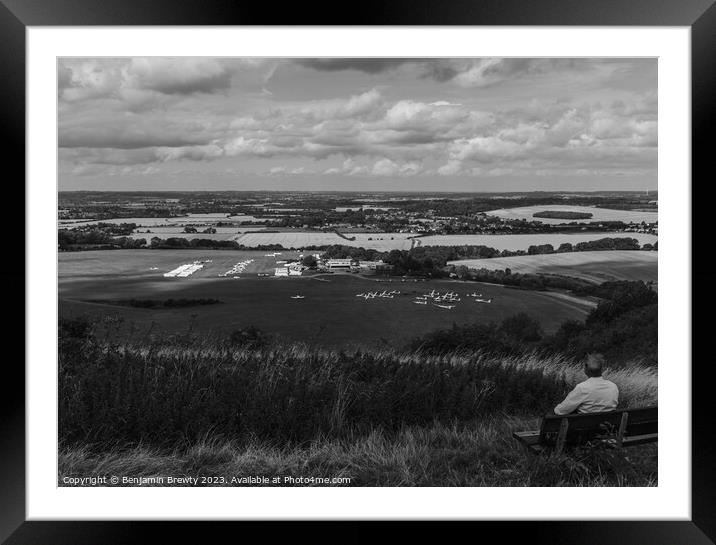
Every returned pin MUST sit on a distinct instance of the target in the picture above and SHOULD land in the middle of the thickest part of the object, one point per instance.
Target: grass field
(598, 214)
(591, 266)
(330, 314)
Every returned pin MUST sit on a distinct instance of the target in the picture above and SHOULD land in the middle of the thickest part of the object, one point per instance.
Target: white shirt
(594, 395)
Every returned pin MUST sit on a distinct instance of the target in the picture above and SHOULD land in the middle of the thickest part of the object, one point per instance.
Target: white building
(338, 264)
(370, 265)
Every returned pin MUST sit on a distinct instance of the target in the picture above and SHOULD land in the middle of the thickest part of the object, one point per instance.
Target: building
(338, 264)
(370, 265)
(295, 269)
(281, 271)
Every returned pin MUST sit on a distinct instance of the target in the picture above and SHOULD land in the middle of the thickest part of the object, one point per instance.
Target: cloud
(152, 113)
(450, 168)
(366, 65)
(64, 77)
(387, 167)
(194, 153)
(179, 75)
(130, 133)
(84, 79)
(355, 106)
(487, 72)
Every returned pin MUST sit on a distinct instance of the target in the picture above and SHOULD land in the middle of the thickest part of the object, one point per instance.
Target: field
(598, 214)
(591, 266)
(400, 241)
(330, 313)
(152, 264)
(154, 222)
(523, 242)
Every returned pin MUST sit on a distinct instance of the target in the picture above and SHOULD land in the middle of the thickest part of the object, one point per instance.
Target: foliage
(563, 215)
(249, 337)
(155, 303)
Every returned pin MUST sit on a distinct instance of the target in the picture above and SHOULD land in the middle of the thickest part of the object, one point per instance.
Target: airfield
(324, 309)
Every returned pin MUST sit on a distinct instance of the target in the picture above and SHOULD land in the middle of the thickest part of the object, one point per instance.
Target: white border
(670, 500)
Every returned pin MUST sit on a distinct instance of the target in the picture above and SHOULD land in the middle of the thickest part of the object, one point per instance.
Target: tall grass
(479, 453)
(170, 392)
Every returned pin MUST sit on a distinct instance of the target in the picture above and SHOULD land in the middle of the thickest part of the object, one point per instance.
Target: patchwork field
(330, 314)
(598, 214)
(590, 266)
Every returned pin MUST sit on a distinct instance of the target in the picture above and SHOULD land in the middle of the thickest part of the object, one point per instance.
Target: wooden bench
(621, 428)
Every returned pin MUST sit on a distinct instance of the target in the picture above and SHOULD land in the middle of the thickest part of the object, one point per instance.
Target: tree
(309, 261)
(520, 329)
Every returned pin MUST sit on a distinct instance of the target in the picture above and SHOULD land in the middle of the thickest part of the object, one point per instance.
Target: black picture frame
(699, 15)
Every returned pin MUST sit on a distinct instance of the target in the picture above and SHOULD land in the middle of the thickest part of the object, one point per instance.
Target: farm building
(281, 271)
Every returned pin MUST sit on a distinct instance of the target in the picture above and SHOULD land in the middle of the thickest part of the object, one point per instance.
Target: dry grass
(475, 454)
(457, 450)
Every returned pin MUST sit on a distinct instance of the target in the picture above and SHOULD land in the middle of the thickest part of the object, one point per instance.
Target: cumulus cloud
(387, 167)
(355, 106)
(179, 75)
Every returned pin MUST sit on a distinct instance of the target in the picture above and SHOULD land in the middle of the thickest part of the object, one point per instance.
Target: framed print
(398, 267)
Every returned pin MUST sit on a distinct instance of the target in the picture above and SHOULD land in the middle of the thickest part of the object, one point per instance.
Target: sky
(357, 124)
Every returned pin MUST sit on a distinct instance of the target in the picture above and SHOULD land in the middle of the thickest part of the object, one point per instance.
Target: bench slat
(527, 437)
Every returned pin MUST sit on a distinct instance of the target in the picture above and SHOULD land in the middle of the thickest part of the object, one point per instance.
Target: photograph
(357, 271)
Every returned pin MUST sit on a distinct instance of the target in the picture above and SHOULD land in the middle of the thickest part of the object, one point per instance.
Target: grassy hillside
(381, 417)
(478, 453)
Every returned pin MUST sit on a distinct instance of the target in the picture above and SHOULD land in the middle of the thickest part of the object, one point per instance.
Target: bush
(249, 337)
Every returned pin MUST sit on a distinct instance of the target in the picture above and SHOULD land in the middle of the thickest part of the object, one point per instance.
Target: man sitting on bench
(594, 395)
